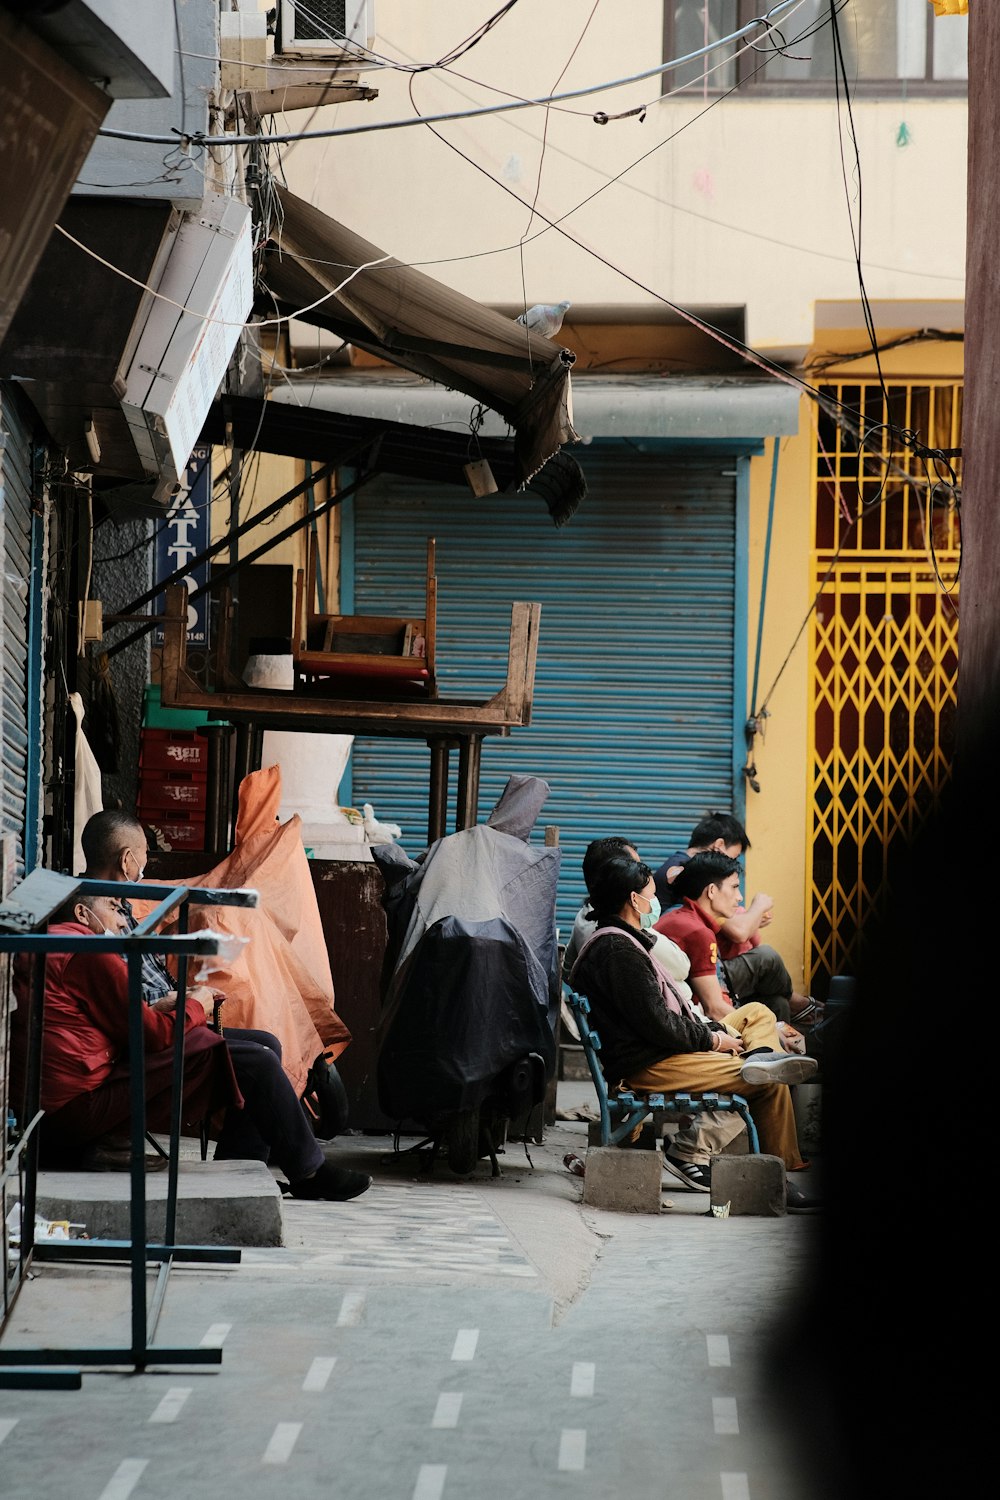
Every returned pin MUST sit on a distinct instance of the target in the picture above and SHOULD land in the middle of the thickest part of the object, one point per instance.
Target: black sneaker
(689, 1172)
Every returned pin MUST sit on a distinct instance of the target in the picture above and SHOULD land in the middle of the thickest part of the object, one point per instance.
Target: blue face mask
(647, 918)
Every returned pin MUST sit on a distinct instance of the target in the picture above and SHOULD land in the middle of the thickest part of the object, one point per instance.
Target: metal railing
(23, 917)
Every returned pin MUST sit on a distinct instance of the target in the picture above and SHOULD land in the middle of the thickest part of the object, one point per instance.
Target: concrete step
(218, 1203)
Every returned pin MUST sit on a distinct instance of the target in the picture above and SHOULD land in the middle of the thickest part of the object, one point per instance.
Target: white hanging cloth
(88, 797)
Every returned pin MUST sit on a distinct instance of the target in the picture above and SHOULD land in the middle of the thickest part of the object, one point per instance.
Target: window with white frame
(887, 45)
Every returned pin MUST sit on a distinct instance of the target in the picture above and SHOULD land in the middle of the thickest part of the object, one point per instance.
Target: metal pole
(437, 803)
(177, 1089)
(244, 755)
(137, 1205)
(32, 1103)
(216, 817)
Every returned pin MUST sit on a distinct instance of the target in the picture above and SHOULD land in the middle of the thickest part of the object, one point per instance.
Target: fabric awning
(399, 314)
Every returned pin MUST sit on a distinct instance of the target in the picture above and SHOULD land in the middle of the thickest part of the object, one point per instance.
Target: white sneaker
(778, 1067)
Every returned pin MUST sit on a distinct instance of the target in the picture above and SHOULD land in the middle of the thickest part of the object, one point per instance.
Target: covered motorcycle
(471, 987)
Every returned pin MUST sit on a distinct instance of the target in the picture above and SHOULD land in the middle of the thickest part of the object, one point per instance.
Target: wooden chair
(378, 650)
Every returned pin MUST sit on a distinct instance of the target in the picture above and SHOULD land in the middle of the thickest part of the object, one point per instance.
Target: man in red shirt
(709, 885)
(86, 1068)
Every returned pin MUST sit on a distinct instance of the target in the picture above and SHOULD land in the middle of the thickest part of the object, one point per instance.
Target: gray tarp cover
(474, 981)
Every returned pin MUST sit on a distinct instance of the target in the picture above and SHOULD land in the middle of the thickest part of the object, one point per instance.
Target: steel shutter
(634, 693)
(15, 523)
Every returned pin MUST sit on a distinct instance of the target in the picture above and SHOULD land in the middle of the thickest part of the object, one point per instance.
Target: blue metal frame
(622, 1115)
(136, 1250)
(741, 638)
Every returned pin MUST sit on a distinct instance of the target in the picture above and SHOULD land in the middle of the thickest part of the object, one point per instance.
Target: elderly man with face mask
(263, 1120)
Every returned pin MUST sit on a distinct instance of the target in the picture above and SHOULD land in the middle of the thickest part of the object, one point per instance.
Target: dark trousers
(272, 1125)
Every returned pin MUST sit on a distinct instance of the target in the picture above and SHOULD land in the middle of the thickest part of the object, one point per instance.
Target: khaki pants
(720, 1073)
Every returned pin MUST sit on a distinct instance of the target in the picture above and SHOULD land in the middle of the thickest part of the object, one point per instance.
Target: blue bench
(622, 1112)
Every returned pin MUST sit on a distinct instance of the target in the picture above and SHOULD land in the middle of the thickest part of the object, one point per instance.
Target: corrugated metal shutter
(633, 712)
(15, 521)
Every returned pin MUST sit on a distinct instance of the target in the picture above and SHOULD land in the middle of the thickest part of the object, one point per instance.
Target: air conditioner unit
(320, 28)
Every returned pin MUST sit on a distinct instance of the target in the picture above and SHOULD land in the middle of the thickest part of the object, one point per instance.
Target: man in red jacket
(85, 1069)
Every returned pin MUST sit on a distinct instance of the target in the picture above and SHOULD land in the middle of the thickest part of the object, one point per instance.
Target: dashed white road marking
(582, 1379)
(318, 1374)
(449, 1404)
(724, 1418)
(718, 1349)
(465, 1343)
(170, 1407)
(573, 1448)
(430, 1482)
(216, 1336)
(283, 1440)
(124, 1480)
(352, 1309)
(7, 1425)
(735, 1487)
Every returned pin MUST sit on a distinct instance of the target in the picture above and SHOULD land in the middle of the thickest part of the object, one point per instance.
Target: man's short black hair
(600, 850)
(105, 835)
(718, 825)
(702, 870)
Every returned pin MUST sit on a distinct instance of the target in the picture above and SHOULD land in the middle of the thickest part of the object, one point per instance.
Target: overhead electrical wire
(199, 138)
(734, 345)
(729, 341)
(538, 178)
(783, 244)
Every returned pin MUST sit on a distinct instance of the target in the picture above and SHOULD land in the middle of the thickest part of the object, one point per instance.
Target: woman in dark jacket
(651, 1038)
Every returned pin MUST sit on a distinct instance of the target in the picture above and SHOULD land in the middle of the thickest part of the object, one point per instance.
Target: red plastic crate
(170, 790)
(181, 830)
(173, 750)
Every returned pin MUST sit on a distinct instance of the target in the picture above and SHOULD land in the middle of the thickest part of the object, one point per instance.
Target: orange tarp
(281, 981)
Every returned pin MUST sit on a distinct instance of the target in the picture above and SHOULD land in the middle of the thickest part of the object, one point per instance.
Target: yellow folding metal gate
(884, 652)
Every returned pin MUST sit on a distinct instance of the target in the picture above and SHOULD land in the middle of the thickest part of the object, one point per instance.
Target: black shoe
(334, 1184)
(689, 1172)
(798, 1202)
(98, 1158)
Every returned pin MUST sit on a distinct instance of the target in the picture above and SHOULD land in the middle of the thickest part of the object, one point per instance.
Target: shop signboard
(183, 535)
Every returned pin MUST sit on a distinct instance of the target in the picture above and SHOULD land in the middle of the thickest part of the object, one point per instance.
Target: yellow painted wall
(776, 816)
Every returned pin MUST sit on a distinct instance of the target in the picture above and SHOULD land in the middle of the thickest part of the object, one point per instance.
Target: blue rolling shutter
(15, 524)
(633, 710)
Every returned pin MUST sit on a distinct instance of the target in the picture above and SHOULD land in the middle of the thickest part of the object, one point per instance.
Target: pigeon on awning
(545, 317)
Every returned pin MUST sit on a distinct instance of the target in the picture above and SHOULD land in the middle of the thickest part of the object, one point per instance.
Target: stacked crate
(173, 784)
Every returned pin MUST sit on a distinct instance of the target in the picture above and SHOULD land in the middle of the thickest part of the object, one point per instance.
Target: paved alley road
(433, 1340)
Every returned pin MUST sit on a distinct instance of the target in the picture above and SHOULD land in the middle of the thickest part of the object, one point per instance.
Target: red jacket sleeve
(99, 984)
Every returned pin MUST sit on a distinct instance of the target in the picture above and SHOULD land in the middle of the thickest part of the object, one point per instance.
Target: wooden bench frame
(623, 1112)
(412, 662)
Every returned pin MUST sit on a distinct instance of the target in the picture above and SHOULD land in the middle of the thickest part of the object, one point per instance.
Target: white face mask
(140, 869)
